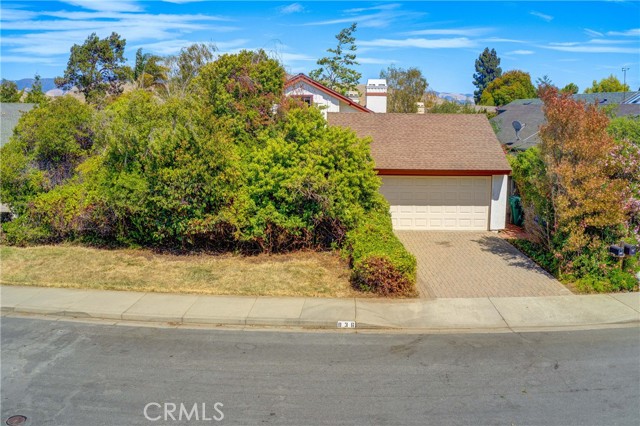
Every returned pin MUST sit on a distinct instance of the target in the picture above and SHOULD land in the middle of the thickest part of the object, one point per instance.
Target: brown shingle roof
(428, 142)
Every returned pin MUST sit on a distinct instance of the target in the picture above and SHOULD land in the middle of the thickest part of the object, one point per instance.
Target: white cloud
(520, 52)
(547, 18)
(590, 48)
(605, 41)
(593, 33)
(385, 15)
(292, 8)
(106, 5)
(50, 37)
(422, 43)
(468, 32)
(593, 46)
(294, 57)
(629, 33)
(22, 59)
(183, 1)
(501, 40)
(376, 61)
(171, 47)
(379, 7)
(9, 14)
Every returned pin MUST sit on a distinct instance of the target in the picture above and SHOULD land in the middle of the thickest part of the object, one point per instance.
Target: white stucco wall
(325, 102)
(498, 215)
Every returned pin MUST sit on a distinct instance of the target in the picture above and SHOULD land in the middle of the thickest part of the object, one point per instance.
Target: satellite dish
(517, 127)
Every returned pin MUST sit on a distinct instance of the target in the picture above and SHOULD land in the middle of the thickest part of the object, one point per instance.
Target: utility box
(517, 215)
(616, 251)
(629, 250)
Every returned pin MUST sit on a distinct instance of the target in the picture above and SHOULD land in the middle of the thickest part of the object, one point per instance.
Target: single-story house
(529, 113)
(10, 113)
(328, 100)
(439, 171)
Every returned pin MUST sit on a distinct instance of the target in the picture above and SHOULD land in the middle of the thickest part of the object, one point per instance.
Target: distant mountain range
(26, 83)
(48, 84)
(456, 97)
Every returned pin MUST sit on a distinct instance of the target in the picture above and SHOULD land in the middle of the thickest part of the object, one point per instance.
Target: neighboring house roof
(604, 98)
(10, 113)
(529, 115)
(292, 81)
(429, 144)
(532, 116)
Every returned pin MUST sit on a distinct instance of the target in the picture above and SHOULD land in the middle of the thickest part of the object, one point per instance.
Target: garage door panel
(445, 203)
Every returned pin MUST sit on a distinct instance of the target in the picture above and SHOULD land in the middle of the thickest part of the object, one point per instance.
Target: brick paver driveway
(475, 264)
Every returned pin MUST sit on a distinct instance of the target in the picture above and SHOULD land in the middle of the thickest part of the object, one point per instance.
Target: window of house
(307, 99)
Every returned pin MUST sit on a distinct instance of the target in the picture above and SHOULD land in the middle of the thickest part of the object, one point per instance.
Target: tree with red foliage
(589, 203)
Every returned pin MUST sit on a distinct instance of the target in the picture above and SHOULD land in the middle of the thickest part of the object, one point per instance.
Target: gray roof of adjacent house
(529, 112)
(604, 98)
(531, 116)
(9, 115)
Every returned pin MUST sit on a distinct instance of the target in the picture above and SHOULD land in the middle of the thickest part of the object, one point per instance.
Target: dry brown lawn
(308, 274)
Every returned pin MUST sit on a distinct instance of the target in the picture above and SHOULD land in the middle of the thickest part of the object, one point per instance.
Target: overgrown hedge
(232, 165)
(380, 262)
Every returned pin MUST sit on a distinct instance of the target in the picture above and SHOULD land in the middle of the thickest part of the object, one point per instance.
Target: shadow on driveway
(475, 264)
(509, 253)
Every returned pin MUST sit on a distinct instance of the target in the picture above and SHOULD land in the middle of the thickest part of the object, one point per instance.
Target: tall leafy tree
(96, 67)
(487, 70)
(511, 86)
(576, 150)
(570, 88)
(242, 89)
(36, 95)
(336, 72)
(182, 68)
(406, 87)
(148, 70)
(609, 84)
(9, 91)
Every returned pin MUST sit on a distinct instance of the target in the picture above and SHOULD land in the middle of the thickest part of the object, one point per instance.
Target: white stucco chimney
(377, 94)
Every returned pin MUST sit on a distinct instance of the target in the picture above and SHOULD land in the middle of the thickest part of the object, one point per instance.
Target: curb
(512, 314)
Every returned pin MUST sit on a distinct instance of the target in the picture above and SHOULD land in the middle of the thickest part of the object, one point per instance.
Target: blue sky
(569, 41)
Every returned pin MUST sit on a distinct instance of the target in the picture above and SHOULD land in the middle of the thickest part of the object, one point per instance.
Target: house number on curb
(346, 324)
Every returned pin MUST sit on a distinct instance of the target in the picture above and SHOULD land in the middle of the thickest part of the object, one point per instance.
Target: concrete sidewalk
(489, 314)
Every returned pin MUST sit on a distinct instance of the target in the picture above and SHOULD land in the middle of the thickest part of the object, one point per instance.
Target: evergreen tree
(96, 67)
(336, 71)
(36, 95)
(487, 70)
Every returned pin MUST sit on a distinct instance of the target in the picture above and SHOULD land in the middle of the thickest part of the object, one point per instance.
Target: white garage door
(438, 203)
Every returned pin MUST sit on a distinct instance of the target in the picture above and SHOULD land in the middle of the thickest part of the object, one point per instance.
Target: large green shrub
(307, 183)
(48, 143)
(230, 165)
(380, 262)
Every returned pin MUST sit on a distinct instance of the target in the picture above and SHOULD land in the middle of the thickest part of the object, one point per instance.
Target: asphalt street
(72, 373)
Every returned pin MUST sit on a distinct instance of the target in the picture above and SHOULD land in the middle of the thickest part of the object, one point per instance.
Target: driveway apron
(475, 264)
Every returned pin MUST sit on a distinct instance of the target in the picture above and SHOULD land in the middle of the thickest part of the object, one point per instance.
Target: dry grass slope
(308, 274)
